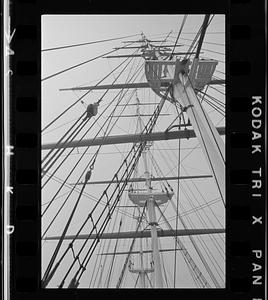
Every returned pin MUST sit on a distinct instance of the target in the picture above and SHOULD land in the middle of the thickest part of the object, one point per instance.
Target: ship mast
(150, 206)
(141, 271)
(181, 81)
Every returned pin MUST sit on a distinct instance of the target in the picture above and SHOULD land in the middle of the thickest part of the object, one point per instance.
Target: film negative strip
(153, 182)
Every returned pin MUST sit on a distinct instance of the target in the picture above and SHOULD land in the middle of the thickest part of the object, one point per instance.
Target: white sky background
(66, 30)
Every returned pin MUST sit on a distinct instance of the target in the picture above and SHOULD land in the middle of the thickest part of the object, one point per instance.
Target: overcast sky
(66, 30)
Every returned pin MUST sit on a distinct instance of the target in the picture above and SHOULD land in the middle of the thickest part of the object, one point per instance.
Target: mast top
(140, 198)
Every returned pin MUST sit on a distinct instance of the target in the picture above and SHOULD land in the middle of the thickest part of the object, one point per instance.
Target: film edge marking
(256, 193)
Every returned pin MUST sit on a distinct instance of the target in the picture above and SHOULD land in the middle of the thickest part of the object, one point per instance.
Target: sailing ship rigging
(139, 219)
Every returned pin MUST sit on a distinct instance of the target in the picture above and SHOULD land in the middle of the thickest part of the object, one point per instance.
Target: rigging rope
(46, 280)
(89, 127)
(130, 250)
(109, 243)
(216, 100)
(148, 128)
(217, 105)
(87, 195)
(77, 101)
(216, 108)
(161, 174)
(202, 35)
(188, 259)
(194, 44)
(195, 245)
(64, 231)
(212, 51)
(162, 257)
(196, 208)
(137, 152)
(85, 168)
(75, 167)
(60, 151)
(88, 43)
(113, 258)
(62, 125)
(61, 139)
(201, 219)
(67, 197)
(179, 33)
(82, 63)
(217, 91)
(203, 245)
(81, 266)
(218, 44)
(101, 250)
(199, 192)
